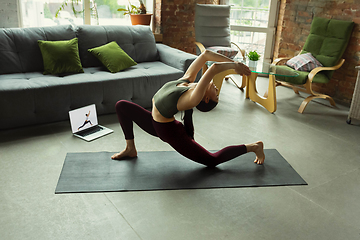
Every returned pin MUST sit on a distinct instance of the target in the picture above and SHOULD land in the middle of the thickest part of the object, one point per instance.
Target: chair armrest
(318, 69)
(242, 51)
(200, 46)
(280, 60)
(174, 57)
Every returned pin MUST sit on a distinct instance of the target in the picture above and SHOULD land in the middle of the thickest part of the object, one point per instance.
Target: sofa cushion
(42, 98)
(60, 56)
(113, 57)
(19, 48)
(137, 41)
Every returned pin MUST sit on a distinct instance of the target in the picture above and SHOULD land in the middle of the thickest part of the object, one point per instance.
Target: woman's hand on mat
(242, 69)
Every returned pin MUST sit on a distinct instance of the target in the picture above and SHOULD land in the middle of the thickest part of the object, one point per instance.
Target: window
(36, 13)
(253, 25)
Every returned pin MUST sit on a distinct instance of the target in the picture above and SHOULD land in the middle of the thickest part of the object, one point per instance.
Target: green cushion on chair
(302, 78)
(327, 41)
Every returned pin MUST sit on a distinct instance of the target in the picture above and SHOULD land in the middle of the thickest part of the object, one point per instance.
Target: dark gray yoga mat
(166, 170)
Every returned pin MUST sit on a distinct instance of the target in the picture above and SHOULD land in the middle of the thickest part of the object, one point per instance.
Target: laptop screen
(83, 118)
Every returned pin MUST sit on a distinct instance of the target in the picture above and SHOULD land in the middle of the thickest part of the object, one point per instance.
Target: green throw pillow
(60, 56)
(113, 57)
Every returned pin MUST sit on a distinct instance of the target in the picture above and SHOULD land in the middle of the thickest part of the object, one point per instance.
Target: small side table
(268, 101)
(355, 102)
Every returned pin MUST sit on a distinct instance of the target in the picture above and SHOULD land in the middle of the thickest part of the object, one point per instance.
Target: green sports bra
(166, 98)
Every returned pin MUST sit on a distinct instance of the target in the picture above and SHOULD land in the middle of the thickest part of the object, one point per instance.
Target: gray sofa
(28, 97)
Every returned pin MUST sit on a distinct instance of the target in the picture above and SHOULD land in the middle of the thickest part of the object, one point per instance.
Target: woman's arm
(199, 62)
(193, 97)
(218, 67)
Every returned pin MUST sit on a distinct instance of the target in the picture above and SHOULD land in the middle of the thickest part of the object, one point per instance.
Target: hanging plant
(73, 4)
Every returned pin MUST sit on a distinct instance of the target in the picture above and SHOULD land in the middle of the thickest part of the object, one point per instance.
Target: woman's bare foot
(124, 153)
(258, 149)
(129, 151)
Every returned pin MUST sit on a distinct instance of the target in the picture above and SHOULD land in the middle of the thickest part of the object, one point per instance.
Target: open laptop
(84, 123)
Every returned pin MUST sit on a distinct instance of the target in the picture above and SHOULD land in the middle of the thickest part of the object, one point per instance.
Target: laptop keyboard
(90, 131)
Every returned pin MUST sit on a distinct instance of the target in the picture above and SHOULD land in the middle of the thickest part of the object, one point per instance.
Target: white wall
(9, 14)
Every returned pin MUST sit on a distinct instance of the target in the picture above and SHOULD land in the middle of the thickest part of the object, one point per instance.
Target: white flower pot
(252, 64)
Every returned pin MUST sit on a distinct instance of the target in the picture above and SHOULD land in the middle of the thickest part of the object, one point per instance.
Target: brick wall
(295, 18)
(175, 20)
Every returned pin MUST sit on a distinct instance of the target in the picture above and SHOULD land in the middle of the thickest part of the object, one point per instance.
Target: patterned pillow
(304, 62)
(226, 51)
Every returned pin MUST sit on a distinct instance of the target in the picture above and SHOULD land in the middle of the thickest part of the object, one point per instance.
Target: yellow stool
(268, 101)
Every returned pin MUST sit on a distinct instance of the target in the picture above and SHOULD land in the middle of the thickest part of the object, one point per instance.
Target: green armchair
(326, 42)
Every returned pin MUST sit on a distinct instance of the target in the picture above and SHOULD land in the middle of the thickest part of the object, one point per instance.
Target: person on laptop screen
(89, 129)
(86, 121)
(183, 95)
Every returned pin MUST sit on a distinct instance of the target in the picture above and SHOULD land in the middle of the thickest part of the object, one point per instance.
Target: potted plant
(253, 58)
(138, 15)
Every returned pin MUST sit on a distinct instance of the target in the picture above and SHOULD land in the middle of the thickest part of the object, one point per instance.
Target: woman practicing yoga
(86, 121)
(184, 95)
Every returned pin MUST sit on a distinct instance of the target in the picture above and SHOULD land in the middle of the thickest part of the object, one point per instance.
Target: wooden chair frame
(308, 85)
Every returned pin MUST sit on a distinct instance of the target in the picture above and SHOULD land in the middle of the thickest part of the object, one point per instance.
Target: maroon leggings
(173, 133)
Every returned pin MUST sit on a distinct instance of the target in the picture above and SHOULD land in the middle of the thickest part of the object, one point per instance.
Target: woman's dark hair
(205, 107)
